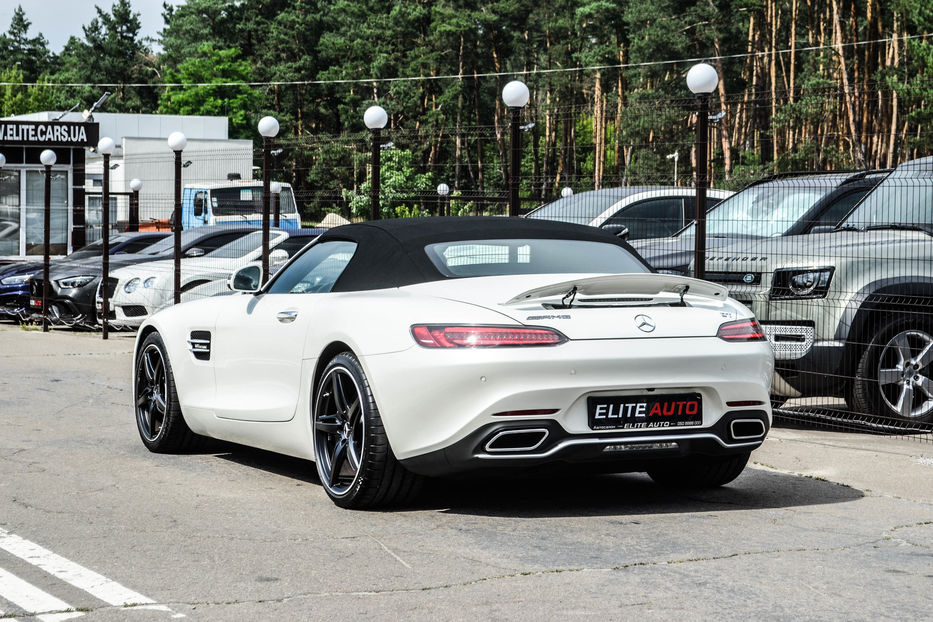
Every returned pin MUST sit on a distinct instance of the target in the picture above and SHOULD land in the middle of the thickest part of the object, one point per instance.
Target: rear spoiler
(627, 284)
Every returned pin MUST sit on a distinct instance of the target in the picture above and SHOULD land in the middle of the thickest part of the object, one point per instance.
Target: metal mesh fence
(833, 256)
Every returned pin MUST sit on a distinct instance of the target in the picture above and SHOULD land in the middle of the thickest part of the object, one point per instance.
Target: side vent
(200, 344)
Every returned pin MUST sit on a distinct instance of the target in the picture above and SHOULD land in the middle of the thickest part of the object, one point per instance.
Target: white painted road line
(74, 574)
(34, 600)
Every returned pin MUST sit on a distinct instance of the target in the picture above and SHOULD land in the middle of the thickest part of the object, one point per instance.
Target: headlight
(16, 280)
(801, 283)
(131, 285)
(75, 281)
(150, 282)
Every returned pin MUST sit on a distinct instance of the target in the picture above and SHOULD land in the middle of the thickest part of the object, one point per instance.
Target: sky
(58, 20)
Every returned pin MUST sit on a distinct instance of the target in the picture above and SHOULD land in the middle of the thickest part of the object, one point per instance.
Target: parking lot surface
(823, 525)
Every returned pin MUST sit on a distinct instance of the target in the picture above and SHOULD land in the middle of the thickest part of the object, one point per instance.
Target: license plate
(632, 412)
(35, 303)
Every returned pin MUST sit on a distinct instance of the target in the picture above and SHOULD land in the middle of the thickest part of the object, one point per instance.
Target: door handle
(286, 317)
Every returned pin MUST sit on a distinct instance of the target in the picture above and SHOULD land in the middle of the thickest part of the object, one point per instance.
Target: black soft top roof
(390, 253)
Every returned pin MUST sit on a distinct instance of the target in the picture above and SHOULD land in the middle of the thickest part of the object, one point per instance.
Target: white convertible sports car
(392, 350)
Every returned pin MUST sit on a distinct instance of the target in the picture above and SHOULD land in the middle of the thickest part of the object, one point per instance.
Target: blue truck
(237, 202)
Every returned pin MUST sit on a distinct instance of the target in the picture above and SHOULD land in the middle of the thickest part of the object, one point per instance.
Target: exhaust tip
(516, 440)
(747, 429)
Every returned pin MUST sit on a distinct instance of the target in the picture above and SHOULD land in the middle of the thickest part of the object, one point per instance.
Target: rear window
(467, 258)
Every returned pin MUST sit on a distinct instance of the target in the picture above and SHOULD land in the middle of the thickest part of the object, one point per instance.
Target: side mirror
(823, 229)
(620, 231)
(245, 279)
(194, 251)
(277, 257)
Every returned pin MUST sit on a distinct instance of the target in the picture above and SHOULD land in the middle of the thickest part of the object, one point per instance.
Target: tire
(894, 377)
(701, 472)
(351, 451)
(159, 420)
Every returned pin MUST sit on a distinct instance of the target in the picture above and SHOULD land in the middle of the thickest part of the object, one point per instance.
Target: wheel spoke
(926, 385)
(340, 400)
(926, 356)
(903, 348)
(353, 413)
(336, 461)
(148, 369)
(905, 403)
(143, 397)
(158, 402)
(147, 420)
(889, 376)
(329, 424)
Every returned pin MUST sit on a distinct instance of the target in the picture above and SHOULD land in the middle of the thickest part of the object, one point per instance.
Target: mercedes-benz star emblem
(644, 323)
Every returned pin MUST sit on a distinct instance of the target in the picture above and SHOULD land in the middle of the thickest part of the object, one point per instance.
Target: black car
(72, 287)
(14, 277)
(778, 205)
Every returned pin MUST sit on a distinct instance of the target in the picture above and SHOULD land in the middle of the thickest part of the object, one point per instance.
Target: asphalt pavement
(822, 525)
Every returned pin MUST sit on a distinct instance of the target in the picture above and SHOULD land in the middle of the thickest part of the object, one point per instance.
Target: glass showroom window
(35, 204)
(9, 213)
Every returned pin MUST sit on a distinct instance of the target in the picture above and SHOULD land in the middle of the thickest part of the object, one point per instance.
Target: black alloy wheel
(352, 454)
(159, 420)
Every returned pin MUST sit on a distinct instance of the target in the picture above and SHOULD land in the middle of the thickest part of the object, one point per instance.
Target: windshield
(247, 201)
(584, 207)
(530, 256)
(762, 211)
(239, 247)
(94, 249)
(904, 198)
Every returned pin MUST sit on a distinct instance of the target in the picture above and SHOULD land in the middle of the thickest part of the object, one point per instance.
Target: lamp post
(675, 157)
(375, 119)
(105, 147)
(443, 207)
(515, 95)
(566, 191)
(47, 157)
(177, 143)
(135, 185)
(702, 80)
(269, 129)
(275, 187)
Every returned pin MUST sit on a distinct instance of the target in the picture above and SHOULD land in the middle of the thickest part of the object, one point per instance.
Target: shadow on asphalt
(582, 495)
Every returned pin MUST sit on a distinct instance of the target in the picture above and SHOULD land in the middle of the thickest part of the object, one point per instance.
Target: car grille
(733, 278)
(134, 310)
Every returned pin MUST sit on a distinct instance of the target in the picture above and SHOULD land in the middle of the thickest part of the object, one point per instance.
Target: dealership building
(76, 178)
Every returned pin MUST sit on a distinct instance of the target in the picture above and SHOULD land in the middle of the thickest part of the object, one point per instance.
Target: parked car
(848, 313)
(786, 204)
(396, 349)
(285, 250)
(73, 286)
(138, 291)
(14, 278)
(645, 211)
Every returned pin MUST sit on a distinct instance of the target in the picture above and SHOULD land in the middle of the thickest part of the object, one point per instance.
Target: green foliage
(399, 185)
(17, 99)
(30, 55)
(206, 68)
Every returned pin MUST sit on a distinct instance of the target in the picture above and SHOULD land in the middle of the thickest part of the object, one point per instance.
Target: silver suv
(849, 313)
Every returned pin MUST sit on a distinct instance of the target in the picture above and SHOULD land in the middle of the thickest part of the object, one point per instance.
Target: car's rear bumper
(442, 399)
(543, 443)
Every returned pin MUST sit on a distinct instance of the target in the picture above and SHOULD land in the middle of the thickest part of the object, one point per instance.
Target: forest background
(805, 85)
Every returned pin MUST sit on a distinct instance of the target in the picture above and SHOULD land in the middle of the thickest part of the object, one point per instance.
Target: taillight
(429, 336)
(741, 330)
